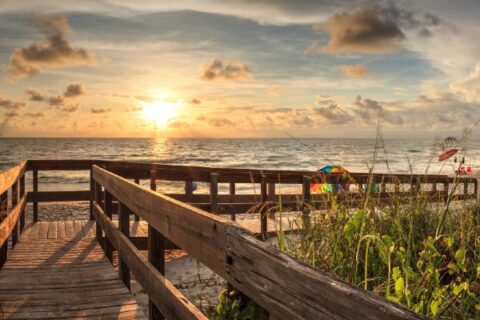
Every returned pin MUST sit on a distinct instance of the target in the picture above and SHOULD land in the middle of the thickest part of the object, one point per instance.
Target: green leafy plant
(233, 305)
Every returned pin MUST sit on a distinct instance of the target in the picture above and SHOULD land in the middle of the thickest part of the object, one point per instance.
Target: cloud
(369, 110)
(69, 108)
(145, 98)
(469, 87)
(56, 100)
(134, 109)
(276, 91)
(54, 52)
(100, 110)
(34, 114)
(228, 71)
(220, 122)
(194, 101)
(74, 90)
(362, 31)
(334, 114)
(355, 70)
(35, 95)
(178, 124)
(10, 104)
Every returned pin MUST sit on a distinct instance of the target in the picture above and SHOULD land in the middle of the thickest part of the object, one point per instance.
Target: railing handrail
(11, 176)
(283, 286)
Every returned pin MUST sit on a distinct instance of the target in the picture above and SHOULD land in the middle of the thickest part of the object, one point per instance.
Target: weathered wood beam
(166, 297)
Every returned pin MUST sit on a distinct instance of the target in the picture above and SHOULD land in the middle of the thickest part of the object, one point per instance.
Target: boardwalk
(58, 270)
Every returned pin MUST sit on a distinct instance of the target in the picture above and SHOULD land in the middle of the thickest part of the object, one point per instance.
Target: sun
(160, 111)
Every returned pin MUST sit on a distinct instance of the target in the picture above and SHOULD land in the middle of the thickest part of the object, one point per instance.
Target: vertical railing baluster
(35, 190)
(124, 226)
(98, 200)
(22, 193)
(271, 191)
(14, 200)
(156, 253)
(92, 194)
(107, 208)
(213, 192)
(306, 201)
(3, 215)
(137, 217)
(231, 192)
(263, 208)
(188, 190)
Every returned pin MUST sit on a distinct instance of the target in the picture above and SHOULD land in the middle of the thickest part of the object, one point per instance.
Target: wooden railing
(284, 287)
(348, 189)
(12, 217)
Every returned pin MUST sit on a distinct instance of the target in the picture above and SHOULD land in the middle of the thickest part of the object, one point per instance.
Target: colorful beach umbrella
(333, 169)
(327, 187)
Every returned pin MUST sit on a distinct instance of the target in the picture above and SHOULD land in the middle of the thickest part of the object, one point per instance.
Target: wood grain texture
(58, 278)
(9, 223)
(11, 176)
(289, 289)
(162, 293)
(199, 233)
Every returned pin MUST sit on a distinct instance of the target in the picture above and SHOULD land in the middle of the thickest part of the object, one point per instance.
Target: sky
(239, 68)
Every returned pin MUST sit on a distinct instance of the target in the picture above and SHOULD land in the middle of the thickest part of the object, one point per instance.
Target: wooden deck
(58, 270)
(77, 229)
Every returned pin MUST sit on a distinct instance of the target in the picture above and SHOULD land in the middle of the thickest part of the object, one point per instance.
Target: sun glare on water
(160, 111)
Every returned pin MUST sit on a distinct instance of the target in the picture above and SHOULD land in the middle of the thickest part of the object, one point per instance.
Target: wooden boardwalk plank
(52, 230)
(69, 230)
(59, 271)
(61, 229)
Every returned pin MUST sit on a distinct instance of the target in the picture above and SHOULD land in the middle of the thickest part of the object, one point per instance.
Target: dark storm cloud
(74, 90)
(54, 52)
(228, 70)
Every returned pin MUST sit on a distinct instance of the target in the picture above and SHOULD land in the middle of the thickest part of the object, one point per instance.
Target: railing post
(3, 215)
(188, 190)
(22, 193)
(213, 192)
(124, 226)
(263, 209)
(98, 199)
(92, 194)
(107, 208)
(305, 201)
(35, 190)
(137, 217)
(153, 179)
(14, 203)
(231, 192)
(271, 191)
(156, 253)
(446, 187)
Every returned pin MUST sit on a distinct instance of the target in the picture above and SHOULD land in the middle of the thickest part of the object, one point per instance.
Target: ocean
(356, 155)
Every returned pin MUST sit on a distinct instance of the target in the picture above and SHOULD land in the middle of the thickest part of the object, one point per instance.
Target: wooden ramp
(63, 273)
